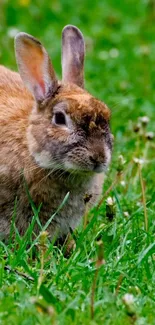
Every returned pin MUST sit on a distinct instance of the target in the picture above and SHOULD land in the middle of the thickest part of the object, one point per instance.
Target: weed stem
(143, 197)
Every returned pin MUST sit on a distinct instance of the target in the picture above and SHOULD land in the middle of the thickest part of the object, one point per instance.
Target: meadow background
(110, 277)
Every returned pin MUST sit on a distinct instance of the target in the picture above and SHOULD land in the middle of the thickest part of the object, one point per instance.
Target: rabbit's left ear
(73, 52)
(35, 67)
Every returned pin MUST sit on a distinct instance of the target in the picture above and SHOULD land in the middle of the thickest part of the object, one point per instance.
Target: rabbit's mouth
(86, 169)
(89, 165)
(78, 160)
(85, 166)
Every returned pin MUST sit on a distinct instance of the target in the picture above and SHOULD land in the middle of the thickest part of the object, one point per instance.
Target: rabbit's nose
(97, 165)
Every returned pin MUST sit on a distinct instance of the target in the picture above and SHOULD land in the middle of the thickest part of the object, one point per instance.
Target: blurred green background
(120, 61)
(120, 70)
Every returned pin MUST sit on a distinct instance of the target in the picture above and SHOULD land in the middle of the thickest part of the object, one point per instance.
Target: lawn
(110, 277)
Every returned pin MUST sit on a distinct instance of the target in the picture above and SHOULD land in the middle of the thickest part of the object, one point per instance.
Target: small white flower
(110, 200)
(126, 214)
(114, 53)
(12, 32)
(144, 119)
(139, 161)
(128, 299)
(123, 184)
(150, 135)
(121, 159)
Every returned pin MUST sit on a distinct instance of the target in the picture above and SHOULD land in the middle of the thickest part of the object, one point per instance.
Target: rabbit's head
(68, 127)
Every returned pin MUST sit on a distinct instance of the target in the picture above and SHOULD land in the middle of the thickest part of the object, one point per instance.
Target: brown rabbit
(54, 135)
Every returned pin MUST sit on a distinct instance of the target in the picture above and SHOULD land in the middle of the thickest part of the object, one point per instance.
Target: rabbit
(54, 137)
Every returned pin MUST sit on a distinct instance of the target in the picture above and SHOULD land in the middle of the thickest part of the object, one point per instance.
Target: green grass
(112, 257)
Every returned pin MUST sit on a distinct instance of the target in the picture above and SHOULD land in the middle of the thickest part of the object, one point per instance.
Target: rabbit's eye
(59, 118)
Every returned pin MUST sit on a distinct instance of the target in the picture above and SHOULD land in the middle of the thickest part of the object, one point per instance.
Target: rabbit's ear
(35, 67)
(73, 51)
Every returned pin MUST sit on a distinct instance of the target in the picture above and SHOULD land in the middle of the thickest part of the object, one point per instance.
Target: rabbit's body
(49, 158)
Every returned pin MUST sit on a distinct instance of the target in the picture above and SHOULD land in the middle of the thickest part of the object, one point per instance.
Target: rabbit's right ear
(35, 67)
(73, 53)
